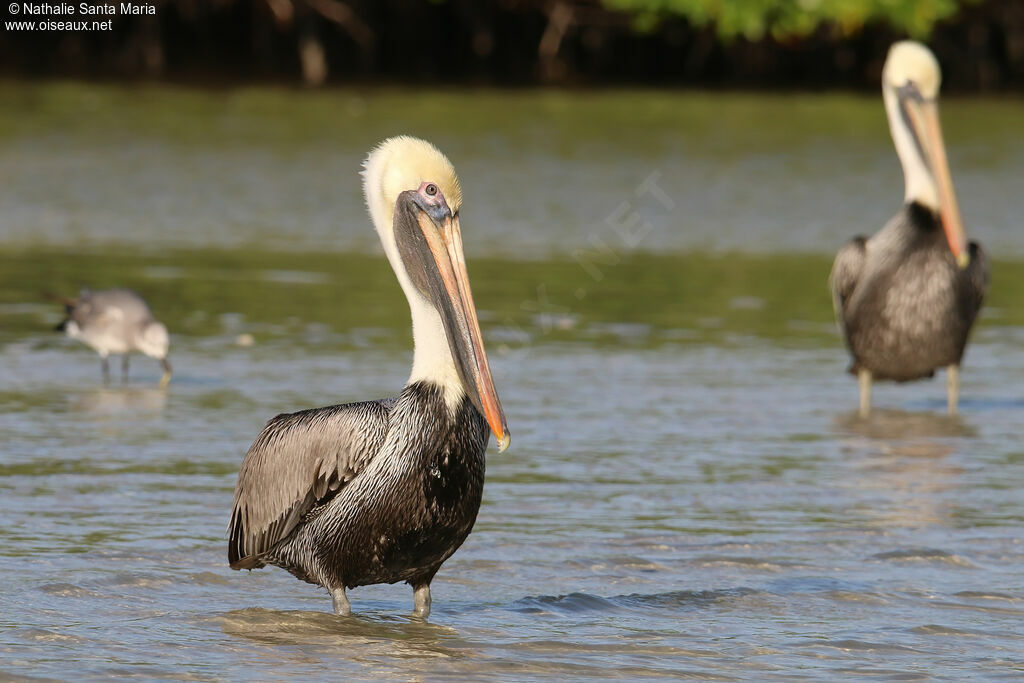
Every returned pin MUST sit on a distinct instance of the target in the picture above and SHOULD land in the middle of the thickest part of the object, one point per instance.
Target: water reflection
(906, 463)
(370, 636)
(123, 400)
(888, 425)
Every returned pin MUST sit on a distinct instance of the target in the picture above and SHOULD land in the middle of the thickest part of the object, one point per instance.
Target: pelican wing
(845, 274)
(297, 461)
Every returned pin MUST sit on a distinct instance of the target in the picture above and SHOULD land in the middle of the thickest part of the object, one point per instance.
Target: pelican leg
(341, 605)
(105, 368)
(864, 383)
(167, 374)
(124, 368)
(952, 388)
(421, 600)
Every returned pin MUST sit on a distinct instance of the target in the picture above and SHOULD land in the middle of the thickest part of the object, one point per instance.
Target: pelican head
(414, 197)
(910, 87)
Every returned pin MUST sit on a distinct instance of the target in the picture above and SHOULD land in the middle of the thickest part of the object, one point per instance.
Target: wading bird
(907, 296)
(385, 491)
(116, 321)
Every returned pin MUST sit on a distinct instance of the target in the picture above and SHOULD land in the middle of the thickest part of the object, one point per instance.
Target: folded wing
(299, 460)
(845, 274)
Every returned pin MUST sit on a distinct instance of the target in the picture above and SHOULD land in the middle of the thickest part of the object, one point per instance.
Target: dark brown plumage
(398, 487)
(904, 306)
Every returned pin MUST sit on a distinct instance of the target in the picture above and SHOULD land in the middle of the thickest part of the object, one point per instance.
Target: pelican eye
(910, 91)
(431, 189)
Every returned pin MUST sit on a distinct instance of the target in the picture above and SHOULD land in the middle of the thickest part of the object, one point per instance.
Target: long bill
(459, 315)
(924, 118)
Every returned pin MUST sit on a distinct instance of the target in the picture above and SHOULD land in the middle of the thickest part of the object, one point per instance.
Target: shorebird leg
(105, 367)
(124, 368)
(167, 375)
(421, 600)
(864, 382)
(341, 605)
(952, 388)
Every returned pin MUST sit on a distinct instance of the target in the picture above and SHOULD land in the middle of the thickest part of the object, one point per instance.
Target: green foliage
(787, 19)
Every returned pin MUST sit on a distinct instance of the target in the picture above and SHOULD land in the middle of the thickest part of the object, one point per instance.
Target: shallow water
(688, 492)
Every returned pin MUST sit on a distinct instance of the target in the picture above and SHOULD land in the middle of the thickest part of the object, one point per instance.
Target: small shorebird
(116, 321)
(906, 297)
(385, 491)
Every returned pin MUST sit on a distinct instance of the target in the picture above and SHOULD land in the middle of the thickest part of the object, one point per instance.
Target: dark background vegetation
(801, 44)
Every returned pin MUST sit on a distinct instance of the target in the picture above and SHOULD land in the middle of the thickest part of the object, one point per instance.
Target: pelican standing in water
(385, 491)
(907, 296)
(117, 321)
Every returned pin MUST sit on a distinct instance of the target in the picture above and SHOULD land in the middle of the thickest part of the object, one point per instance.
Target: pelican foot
(341, 605)
(421, 601)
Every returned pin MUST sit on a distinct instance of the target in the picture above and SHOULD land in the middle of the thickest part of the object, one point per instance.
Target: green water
(688, 297)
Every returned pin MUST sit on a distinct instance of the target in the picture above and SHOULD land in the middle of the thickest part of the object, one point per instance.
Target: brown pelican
(117, 321)
(385, 491)
(907, 296)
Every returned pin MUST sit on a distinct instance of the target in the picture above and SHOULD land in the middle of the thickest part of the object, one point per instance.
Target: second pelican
(906, 297)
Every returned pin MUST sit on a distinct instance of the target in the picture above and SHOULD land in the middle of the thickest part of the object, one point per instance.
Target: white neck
(920, 186)
(432, 356)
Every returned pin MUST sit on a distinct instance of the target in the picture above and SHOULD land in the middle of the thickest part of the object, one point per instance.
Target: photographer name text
(65, 9)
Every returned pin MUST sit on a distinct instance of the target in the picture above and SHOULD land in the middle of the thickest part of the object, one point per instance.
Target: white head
(414, 198)
(153, 340)
(910, 87)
